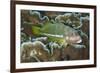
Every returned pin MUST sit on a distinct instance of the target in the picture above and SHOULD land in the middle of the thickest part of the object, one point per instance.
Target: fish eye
(72, 34)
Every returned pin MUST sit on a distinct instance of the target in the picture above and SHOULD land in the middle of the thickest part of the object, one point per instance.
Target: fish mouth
(74, 39)
(79, 41)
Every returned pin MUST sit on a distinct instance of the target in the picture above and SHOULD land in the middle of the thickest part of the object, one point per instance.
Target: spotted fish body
(57, 32)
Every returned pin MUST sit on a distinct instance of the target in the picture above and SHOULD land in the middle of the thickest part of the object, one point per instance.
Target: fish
(58, 32)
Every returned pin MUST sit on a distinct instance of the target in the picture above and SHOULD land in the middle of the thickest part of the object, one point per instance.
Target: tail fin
(36, 30)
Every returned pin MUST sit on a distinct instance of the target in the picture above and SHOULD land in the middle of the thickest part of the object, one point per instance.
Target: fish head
(73, 38)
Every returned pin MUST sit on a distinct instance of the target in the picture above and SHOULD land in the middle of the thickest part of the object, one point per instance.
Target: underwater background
(54, 36)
